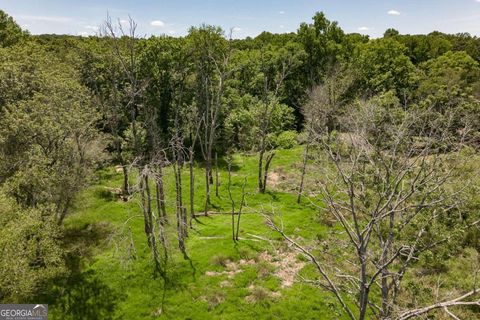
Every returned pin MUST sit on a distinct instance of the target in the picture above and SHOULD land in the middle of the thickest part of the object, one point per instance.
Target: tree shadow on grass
(81, 294)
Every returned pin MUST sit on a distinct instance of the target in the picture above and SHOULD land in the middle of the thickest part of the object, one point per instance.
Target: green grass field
(228, 281)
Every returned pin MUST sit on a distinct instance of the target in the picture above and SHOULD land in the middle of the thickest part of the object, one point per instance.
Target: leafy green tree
(350, 44)
(211, 55)
(449, 78)
(449, 87)
(421, 48)
(10, 32)
(322, 41)
(391, 33)
(48, 139)
(103, 74)
(164, 61)
(381, 65)
(30, 248)
(466, 42)
(242, 124)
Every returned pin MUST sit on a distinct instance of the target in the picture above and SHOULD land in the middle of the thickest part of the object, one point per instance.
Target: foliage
(10, 32)
(322, 41)
(382, 66)
(287, 139)
(49, 136)
(242, 125)
(448, 79)
(30, 248)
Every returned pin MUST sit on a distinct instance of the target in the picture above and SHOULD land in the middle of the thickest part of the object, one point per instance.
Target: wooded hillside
(308, 175)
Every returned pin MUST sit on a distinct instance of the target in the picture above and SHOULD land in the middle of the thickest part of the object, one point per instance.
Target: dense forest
(307, 175)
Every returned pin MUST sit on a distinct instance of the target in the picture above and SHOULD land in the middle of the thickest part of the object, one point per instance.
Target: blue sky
(247, 17)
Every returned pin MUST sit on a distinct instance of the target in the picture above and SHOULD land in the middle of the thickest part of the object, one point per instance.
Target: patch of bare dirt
(245, 262)
(273, 178)
(286, 266)
(285, 263)
(282, 180)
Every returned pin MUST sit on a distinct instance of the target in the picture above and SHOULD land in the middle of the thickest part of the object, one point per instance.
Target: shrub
(287, 139)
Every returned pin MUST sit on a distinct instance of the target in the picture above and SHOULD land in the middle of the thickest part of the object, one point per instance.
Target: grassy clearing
(229, 281)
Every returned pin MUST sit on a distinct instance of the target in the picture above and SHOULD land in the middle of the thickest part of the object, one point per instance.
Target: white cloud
(83, 34)
(283, 12)
(282, 26)
(44, 18)
(237, 29)
(157, 23)
(363, 29)
(172, 32)
(94, 28)
(394, 13)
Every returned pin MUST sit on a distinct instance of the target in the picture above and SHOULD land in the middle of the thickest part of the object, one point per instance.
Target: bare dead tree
(177, 146)
(389, 186)
(192, 184)
(232, 201)
(180, 210)
(194, 131)
(240, 210)
(327, 101)
(160, 193)
(216, 175)
(124, 48)
(123, 42)
(109, 99)
(235, 226)
(272, 84)
(323, 109)
(161, 220)
(148, 218)
(457, 302)
(304, 167)
(212, 92)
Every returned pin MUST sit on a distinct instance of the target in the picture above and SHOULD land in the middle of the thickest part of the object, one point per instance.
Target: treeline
(69, 105)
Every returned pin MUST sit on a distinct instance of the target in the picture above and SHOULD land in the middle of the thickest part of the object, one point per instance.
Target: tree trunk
(231, 201)
(151, 235)
(126, 186)
(260, 170)
(179, 205)
(364, 289)
(387, 250)
(242, 202)
(208, 170)
(268, 160)
(216, 175)
(162, 213)
(161, 197)
(192, 187)
(146, 207)
(304, 171)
